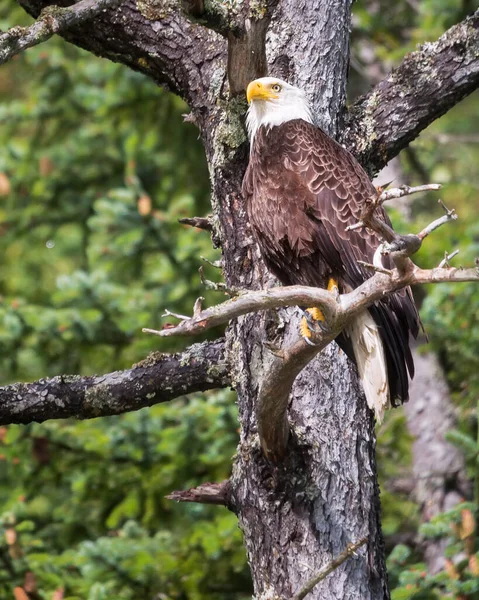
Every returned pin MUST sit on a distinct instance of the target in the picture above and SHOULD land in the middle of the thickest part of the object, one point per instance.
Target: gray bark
(158, 378)
(298, 515)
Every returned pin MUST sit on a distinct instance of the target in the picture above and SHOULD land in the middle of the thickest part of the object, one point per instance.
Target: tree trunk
(297, 516)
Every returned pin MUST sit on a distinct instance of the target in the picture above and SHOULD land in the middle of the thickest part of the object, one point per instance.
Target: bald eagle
(303, 190)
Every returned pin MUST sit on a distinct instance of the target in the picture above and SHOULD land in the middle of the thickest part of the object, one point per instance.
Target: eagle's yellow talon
(316, 313)
(313, 321)
(333, 287)
(304, 329)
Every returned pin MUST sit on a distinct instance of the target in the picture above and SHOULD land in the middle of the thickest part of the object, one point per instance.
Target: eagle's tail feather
(371, 361)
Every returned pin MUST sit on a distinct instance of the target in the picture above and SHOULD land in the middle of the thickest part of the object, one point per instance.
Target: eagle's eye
(276, 87)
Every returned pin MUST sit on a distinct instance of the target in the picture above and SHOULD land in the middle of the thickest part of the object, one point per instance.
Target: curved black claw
(312, 325)
(320, 326)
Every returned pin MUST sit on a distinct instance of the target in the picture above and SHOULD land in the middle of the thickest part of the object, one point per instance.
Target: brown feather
(303, 190)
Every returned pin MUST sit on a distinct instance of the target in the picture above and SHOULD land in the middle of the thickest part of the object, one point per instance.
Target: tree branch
(161, 42)
(157, 39)
(158, 378)
(287, 362)
(248, 302)
(206, 493)
(333, 565)
(359, 299)
(205, 223)
(428, 83)
(53, 19)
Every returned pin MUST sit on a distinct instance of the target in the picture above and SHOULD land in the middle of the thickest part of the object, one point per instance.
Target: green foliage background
(96, 166)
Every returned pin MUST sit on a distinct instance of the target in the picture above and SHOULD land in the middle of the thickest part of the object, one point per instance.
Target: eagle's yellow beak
(257, 91)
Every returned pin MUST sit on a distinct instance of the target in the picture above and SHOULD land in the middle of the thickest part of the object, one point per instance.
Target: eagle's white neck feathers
(290, 103)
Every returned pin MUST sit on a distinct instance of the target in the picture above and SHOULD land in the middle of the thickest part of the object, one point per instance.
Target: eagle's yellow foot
(333, 288)
(313, 320)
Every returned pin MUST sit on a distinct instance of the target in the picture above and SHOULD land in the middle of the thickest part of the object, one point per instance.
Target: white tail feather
(371, 360)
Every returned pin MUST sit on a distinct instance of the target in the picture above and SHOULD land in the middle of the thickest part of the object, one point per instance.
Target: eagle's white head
(272, 102)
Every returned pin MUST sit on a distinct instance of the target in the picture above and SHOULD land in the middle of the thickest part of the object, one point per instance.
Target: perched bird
(303, 190)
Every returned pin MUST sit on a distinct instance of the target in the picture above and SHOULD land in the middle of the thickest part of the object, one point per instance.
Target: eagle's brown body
(303, 190)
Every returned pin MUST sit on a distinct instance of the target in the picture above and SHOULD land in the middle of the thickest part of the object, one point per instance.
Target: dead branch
(447, 258)
(406, 190)
(333, 565)
(158, 378)
(247, 302)
(449, 216)
(53, 19)
(212, 285)
(204, 223)
(400, 247)
(382, 283)
(206, 493)
(272, 402)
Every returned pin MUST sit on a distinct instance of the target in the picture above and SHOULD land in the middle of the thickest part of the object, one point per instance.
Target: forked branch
(289, 361)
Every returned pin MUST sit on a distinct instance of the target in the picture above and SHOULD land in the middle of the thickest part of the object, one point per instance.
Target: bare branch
(168, 313)
(206, 493)
(205, 223)
(287, 362)
(273, 395)
(400, 247)
(247, 302)
(447, 257)
(217, 264)
(428, 83)
(406, 190)
(53, 19)
(212, 285)
(333, 565)
(449, 216)
(383, 196)
(375, 268)
(158, 378)
(297, 295)
(380, 285)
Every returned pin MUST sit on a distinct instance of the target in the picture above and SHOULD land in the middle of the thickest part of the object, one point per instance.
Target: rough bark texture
(325, 495)
(297, 516)
(158, 378)
(154, 37)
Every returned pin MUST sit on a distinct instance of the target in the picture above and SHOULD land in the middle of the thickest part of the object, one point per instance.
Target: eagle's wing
(338, 188)
(325, 188)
